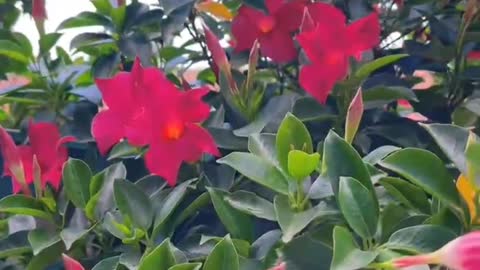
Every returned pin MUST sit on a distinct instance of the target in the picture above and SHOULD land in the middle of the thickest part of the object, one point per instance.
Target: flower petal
(191, 106)
(318, 81)
(26, 155)
(246, 19)
(165, 161)
(107, 130)
(116, 91)
(12, 158)
(197, 141)
(274, 5)
(363, 34)
(43, 138)
(279, 46)
(327, 14)
(289, 16)
(71, 264)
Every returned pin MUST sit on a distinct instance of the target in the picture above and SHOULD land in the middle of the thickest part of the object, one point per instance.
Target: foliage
(324, 136)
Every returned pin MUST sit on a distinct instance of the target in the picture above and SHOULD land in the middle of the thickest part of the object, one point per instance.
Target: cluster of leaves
(349, 184)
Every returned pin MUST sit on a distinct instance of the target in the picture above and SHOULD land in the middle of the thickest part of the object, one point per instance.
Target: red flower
(462, 253)
(473, 55)
(330, 44)
(46, 145)
(38, 10)
(71, 264)
(147, 109)
(273, 30)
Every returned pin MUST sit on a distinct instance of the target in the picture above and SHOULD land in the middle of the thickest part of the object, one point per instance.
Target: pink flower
(49, 149)
(71, 264)
(462, 253)
(38, 10)
(280, 266)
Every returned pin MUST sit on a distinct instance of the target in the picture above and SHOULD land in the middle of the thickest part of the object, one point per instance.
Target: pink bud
(462, 253)
(39, 11)
(71, 264)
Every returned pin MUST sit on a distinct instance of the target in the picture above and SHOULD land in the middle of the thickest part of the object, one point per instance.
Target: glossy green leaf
(358, 207)
(76, 181)
(47, 257)
(252, 204)
(301, 164)
(42, 239)
(103, 7)
(381, 95)
(308, 252)
(186, 266)
(165, 210)
(48, 41)
(263, 145)
(223, 256)
(406, 193)
(426, 170)
(242, 246)
(71, 234)
(365, 70)
(380, 153)
(237, 223)
(346, 254)
(14, 245)
(420, 238)
(133, 204)
(292, 222)
(390, 218)
(341, 159)
(108, 264)
(258, 170)
(354, 116)
(160, 258)
(23, 205)
(292, 134)
(86, 18)
(14, 51)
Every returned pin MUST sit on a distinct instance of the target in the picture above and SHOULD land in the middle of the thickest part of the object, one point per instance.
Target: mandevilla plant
(242, 135)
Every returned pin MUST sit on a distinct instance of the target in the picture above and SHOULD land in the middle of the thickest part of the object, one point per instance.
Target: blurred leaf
(358, 207)
(172, 200)
(381, 95)
(292, 222)
(426, 170)
(171, 5)
(241, 246)
(308, 109)
(223, 256)
(354, 116)
(160, 258)
(258, 170)
(13, 51)
(90, 39)
(124, 150)
(292, 135)
(47, 257)
(346, 254)
(226, 139)
(42, 239)
(133, 204)
(103, 7)
(70, 235)
(107, 264)
(389, 220)
(406, 193)
(307, 252)
(237, 223)
(186, 266)
(76, 180)
(251, 204)
(263, 145)
(365, 70)
(380, 153)
(218, 10)
(14, 244)
(86, 18)
(420, 239)
(23, 205)
(48, 41)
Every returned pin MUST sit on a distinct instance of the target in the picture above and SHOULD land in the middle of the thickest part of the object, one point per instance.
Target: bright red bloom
(71, 264)
(273, 30)
(330, 44)
(147, 109)
(462, 253)
(473, 55)
(39, 11)
(46, 144)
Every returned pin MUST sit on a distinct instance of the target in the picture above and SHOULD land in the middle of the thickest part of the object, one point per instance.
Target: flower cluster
(326, 38)
(45, 145)
(145, 108)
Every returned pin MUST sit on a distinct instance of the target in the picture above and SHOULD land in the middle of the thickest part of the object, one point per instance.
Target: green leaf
(103, 7)
(12, 50)
(365, 70)
(171, 5)
(170, 203)
(292, 135)
(308, 109)
(258, 170)
(160, 258)
(186, 266)
(341, 159)
(472, 153)
(14, 245)
(23, 205)
(76, 180)
(420, 238)
(301, 164)
(237, 223)
(381, 95)
(133, 204)
(108, 264)
(391, 216)
(71, 234)
(380, 153)
(263, 145)
(42, 239)
(308, 252)
(251, 204)
(292, 222)
(242, 246)
(426, 170)
(354, 116)
(406, 193)
(86, 18)
(48, 41)
(346, 254)
(223, 256)
(452, 140)
(47, 257)
(358, 207)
